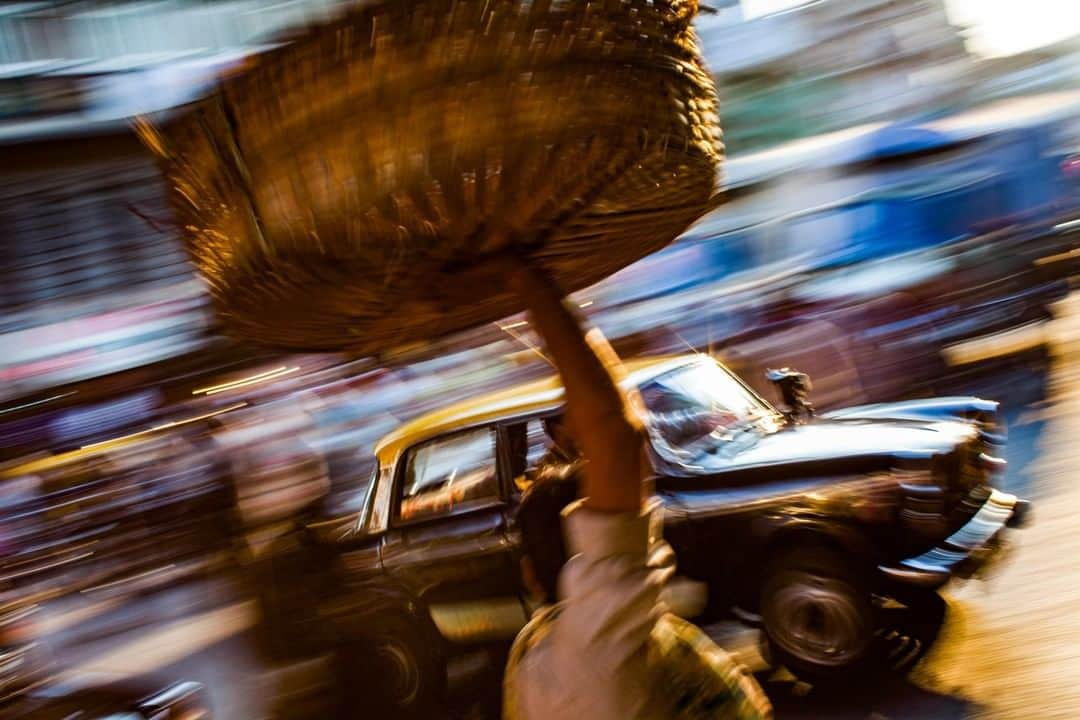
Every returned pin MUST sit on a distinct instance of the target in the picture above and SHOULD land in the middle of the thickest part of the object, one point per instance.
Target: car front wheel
(818, 617)
(392, 670)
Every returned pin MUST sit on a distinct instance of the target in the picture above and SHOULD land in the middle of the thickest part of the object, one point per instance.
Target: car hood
(827, 446)
(929, 409)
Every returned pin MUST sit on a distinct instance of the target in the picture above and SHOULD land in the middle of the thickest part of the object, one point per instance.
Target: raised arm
(608, 435)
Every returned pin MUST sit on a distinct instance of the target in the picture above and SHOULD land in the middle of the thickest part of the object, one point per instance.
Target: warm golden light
(247, 381)
(164, 426)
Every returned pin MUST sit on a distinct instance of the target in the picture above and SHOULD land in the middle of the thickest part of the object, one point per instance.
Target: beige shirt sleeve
(610, 600)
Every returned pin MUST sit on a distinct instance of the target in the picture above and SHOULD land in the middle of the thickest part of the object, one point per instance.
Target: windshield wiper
(731, 433)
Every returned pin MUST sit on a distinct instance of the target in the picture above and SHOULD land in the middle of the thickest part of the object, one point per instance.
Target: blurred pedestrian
(275, 474)
(562, 450)
(601, 646)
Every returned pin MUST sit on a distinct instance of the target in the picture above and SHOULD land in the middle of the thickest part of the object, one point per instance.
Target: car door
(448, 543)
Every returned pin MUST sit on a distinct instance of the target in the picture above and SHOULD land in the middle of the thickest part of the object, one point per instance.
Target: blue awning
(893, 140)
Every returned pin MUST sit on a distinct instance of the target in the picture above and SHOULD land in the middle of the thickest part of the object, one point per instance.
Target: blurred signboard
(78, 349)
(76, 424)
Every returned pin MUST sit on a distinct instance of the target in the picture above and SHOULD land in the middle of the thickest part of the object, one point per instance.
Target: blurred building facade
(91, 283)
(95, 280)
(1047, 69)
(104, 61)
(826, 65)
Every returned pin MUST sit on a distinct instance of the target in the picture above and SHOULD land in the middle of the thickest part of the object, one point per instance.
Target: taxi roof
(537, 396)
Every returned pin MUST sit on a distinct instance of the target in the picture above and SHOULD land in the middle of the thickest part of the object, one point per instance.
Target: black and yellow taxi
(799, 523)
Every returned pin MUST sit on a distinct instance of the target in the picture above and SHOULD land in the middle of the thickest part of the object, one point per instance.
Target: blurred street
(1010, 640)
(276, 412)
(1015, 644)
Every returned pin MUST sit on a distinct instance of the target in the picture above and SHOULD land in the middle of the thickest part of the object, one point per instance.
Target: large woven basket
(336, 192)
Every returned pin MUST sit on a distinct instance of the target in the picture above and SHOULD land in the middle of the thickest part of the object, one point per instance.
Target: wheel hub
(403, 675)
(816, 620)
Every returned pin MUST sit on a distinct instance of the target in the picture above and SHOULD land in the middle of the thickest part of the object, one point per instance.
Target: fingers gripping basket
(337, 191)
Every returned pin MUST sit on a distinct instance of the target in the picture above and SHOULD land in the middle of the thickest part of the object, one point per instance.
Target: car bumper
(966, 551)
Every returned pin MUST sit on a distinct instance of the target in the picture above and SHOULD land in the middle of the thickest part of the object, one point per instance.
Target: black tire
(393, 671)
(819, 618)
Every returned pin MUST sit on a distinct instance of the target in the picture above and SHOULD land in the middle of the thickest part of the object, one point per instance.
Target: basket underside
(336, 194)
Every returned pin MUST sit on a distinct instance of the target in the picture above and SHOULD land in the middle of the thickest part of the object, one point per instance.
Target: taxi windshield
(697, 407)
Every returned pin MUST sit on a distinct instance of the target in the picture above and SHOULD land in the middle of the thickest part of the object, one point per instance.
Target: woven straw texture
(337, 192)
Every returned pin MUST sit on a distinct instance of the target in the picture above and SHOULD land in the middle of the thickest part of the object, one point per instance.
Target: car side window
(538, 442)
(446, 473)
(529, 443)
(534, 452)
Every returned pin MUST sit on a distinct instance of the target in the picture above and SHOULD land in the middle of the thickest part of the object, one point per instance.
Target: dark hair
(552, 423)
(540, 519)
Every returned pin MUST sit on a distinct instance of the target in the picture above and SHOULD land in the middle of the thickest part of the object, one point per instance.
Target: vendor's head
(558, 430)
(540, 519)
(543, 546)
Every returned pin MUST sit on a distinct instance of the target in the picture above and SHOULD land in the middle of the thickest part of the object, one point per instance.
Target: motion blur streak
(37, 402)
(165, 426)
(902, 225)
(244, 382)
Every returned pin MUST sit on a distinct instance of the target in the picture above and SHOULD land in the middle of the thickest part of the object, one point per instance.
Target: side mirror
(794, 387)
(334, 530)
